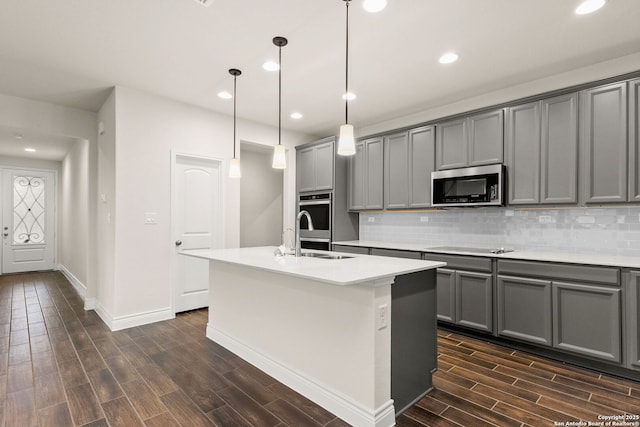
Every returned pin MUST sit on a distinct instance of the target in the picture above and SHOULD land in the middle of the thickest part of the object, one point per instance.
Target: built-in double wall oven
(320, 209)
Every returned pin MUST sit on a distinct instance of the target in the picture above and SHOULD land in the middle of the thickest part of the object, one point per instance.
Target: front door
(197, 224)
(28, 220)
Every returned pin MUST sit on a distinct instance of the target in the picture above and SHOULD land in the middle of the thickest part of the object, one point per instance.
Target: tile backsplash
(611, 230)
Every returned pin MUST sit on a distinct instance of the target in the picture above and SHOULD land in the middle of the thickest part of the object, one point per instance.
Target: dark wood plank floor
(61, 366)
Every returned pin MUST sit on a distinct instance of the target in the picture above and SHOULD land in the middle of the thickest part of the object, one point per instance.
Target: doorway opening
(261, 197)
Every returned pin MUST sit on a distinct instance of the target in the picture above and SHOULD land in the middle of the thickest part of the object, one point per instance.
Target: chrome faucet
(310, 228)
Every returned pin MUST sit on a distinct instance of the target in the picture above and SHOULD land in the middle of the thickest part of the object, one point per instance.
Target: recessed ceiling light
(374, 5)
(448, 58)
(270, 66)
(296, 116)
(589, 6)
(30, 150)
(224, 95)
(349, 96)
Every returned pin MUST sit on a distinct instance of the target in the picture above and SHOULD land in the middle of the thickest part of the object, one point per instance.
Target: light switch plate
(150, 218)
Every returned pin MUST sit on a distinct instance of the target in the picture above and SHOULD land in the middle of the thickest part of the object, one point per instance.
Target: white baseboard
(132, 320)
(89, 303)
(337, 403)
(80, 287)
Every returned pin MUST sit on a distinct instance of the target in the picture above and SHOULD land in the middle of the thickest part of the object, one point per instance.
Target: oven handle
(314, 203)
(311, 239)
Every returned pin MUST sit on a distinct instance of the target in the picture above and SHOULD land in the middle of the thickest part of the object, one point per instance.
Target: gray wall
(260, 199)
(612, 230)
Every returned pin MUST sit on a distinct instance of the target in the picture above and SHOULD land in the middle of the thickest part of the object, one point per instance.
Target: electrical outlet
(150, 218)
(383, 316)
(424, 219)
(508, 212)
(371, 219)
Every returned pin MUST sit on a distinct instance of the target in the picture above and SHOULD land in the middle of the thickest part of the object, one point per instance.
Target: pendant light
(234, 164)
(346, 143)
(279, 152)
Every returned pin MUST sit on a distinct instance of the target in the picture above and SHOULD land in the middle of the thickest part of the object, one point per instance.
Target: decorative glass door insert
(28, 210)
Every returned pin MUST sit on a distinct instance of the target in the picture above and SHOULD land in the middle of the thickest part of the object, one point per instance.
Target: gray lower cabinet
(446, 295)
(603, 143)
(351, 249)
(587, 320)
(474, 300)
(633, 320)
(366, 175)
(634, 140)
(464, 291)
(396, 253)
(525, 309)
(573, 308)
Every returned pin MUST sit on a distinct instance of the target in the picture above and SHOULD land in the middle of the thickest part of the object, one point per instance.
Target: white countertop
(358, 269)
(524, 255)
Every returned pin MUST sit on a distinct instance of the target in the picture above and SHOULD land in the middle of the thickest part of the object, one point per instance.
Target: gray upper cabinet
(541, 151)
(451, 144)
(470, 141)
(366, 175)
(522, 149)
(421, 164)
(315, 165)
(634, 140)
(409, 159)
(486, 138)
(396, 172)
(604, 143)
(559, 156)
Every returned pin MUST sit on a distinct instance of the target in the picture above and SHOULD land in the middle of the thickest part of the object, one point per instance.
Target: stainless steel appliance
(473, 186)
(319, 207)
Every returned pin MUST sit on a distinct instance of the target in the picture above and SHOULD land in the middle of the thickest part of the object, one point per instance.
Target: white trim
(132, 320)
(80, 287)
(344, 407)
(89, 303)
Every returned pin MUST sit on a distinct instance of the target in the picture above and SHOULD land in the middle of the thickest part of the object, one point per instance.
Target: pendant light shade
(279, 151)
(234, 163)
(346, 143)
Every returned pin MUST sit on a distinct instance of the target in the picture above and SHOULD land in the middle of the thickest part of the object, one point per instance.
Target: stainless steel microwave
(473, 186)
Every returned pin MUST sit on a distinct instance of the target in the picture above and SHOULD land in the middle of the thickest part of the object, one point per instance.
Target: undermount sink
(325, 256)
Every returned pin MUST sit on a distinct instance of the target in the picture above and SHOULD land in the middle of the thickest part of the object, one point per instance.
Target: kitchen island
(356, 335)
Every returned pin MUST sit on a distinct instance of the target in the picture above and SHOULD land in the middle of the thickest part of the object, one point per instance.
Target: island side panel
(413, 337)
(320, 335)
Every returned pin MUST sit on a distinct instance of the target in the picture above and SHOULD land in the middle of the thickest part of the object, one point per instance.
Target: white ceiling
(70, 52)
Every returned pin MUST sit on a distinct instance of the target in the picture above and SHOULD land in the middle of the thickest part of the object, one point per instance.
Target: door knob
(178, 242)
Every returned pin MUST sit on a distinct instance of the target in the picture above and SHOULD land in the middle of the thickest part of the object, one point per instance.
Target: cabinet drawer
(396, 253)
(363, 250)
(459, 262)
(578, 273)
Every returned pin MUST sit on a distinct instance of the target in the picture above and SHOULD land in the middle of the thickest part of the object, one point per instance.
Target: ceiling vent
(205, 3)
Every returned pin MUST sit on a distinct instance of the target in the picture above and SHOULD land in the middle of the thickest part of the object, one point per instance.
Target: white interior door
(197, 224)
(28, 220)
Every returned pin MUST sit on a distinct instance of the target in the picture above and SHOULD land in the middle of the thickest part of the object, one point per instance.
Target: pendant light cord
(234, 116)
(346, 71)
(280, 95)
